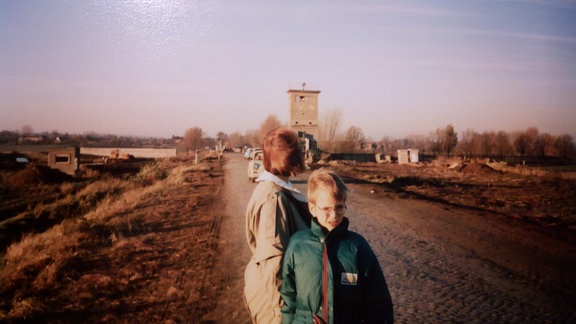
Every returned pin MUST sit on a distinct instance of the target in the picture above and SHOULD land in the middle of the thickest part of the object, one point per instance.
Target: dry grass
(104, 262)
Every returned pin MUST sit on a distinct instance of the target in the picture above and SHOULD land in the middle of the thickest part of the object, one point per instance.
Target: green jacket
(341, 265)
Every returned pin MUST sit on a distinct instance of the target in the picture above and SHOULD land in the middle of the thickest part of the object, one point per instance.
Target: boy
(330, 274)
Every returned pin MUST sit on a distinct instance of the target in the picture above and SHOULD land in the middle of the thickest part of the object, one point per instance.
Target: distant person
(274, 213)
(331, 274)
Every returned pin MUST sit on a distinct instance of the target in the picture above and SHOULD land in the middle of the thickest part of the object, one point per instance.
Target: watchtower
(304, 110)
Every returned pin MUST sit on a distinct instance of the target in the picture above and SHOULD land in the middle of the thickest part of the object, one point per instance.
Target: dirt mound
(476, 168)
(37, 174)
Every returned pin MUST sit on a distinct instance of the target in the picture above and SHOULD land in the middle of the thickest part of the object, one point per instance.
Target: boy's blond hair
(328, 180)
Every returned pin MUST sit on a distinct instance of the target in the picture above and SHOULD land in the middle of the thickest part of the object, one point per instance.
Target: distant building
(177, 139)
(304, 111)
(30, 139)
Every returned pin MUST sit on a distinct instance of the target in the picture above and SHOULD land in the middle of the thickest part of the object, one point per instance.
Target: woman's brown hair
(282, 154)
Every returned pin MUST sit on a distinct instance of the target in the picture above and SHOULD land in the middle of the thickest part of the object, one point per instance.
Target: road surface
(442, 264)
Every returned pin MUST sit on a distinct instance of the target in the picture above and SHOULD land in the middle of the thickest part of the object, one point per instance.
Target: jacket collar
(267, 176)
(321, 232)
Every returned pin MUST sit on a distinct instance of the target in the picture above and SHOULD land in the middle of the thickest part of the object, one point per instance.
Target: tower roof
(305, 91)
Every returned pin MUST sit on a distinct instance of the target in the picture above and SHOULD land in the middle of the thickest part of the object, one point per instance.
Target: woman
(275, 211)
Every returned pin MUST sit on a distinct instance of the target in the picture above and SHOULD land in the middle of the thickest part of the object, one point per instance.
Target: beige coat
(272, 216)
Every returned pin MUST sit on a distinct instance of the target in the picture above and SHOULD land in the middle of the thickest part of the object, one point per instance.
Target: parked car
(256, 154)
(247, 153)
(254, 169)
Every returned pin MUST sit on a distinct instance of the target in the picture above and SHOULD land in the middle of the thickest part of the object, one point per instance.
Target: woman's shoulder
(267, 187)
(264, 191)
(285, 193)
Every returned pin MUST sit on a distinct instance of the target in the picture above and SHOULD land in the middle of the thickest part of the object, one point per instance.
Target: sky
(392, 68)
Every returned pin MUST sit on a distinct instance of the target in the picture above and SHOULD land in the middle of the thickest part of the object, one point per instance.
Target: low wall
(358, 157)
(150, 153)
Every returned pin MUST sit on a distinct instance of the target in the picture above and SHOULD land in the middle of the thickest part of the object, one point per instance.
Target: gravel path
(442, 264)
(235, 250)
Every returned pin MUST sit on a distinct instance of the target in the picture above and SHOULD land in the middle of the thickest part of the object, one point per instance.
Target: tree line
(489, 144)
(28, 137)
(443, 141)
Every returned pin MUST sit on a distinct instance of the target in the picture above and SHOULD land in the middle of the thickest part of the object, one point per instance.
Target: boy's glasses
(338, 209)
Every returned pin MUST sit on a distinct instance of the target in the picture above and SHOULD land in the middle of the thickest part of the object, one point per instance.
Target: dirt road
(442, 264)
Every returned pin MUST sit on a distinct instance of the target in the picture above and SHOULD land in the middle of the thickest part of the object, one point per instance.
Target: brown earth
(530, 194)
(172, 249)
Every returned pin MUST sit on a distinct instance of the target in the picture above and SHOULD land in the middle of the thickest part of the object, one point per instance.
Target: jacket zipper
(325, 282)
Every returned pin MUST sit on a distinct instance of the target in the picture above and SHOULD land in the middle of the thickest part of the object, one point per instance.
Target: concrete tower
(304, 111)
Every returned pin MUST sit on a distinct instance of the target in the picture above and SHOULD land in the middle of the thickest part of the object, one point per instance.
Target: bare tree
(193, 139)
(532, 133)
(329, 127)
(26, 130)
(565, 147)
(446, 139)
(524, 142)
(465, 144)
(332, 119)
(502, 145)
(252, 138)
(476, 144)
(415, 141)
(236, 140)
(271, 122)
(487, 141)
(544, 145)
(353, 138)
(221, 136)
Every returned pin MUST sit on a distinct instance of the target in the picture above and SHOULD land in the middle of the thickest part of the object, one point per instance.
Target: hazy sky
(393, 68)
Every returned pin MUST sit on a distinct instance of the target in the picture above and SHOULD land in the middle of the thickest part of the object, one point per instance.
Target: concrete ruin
(380, 158)
(65, 160)
(407, 156)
